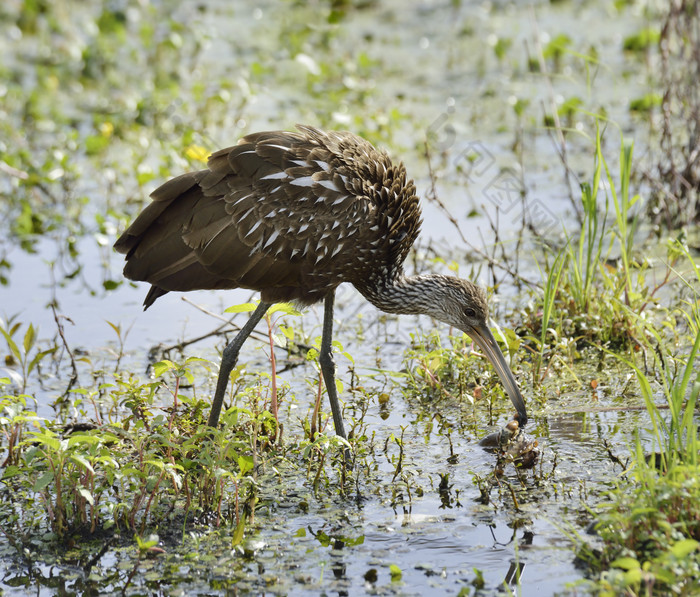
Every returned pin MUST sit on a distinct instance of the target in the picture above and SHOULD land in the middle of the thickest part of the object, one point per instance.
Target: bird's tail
(154, 293)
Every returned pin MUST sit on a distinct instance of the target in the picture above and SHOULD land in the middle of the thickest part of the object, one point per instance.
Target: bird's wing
(272, 212)
(279, 212)
(290, 214)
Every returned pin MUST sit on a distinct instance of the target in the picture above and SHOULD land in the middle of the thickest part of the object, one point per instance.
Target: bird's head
(463, 305)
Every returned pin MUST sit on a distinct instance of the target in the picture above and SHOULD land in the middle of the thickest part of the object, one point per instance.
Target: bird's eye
(469, 312)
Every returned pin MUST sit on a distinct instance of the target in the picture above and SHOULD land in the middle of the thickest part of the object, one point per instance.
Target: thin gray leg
(229, 358)
(325, 359)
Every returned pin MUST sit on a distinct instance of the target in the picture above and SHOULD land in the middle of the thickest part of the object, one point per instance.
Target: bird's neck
(408, 295)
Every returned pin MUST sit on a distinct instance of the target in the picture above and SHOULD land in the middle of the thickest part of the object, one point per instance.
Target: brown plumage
(289, 214)
(293, 215)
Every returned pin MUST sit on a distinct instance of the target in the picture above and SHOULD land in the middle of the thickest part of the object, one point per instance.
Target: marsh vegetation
(554, 148)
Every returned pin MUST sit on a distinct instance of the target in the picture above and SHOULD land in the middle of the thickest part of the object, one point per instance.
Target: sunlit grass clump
(598, 289)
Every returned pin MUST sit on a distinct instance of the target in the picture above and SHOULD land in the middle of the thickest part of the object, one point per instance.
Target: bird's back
(291, 214)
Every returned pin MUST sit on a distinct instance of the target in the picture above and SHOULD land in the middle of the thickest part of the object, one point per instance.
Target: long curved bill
(484, 338)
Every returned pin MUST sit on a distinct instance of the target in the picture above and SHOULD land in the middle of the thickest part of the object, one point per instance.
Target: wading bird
(293, 215)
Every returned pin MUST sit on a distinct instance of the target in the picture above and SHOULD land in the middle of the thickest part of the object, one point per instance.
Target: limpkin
(293, 215)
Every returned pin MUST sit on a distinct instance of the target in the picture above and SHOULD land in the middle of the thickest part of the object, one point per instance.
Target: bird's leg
(229, 358)
(325, 359)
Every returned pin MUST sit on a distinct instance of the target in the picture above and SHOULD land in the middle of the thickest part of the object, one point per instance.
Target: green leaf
(43, 481)
(557, 46)
(642, 512)
(94, 144)
(116, 328)
(82, 461)
(222, 473)
(633, 576)
(239, 532)
(38, 358)
(144, 177)
(626, 563)
(11, 344)
(287, 331)
(323, 538)
(245, 463)
(684, 548)
(29, 338)
(152, 541)
(195, 360)
(665, 576)
(11, 471)
(286, 308)
(642, 40)
(163, 366)
(47, 439)
(87, 495)
(354, 541)
(83, 438)
(243, 308)
(395, 572)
